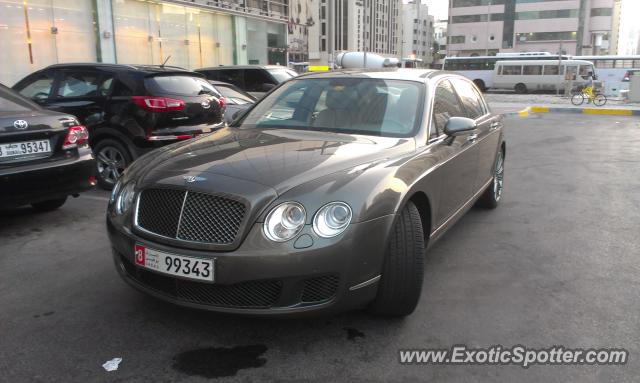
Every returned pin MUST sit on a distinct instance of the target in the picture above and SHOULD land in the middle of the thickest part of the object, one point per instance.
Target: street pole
(486, 52)
(559, 67)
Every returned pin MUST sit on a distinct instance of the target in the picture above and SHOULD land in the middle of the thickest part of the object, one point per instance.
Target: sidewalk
(511, 104)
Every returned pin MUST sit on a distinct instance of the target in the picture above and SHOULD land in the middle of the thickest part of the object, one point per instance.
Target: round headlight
(285, 221)
(332, 219)
(125, 199)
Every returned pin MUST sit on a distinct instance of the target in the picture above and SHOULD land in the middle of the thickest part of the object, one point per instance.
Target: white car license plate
(172, 264)
(24, 148)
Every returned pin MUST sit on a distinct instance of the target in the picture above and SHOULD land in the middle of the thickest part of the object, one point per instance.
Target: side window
(212, 74)
(469, 97)
(38, 88)
(105, 86)
(121, 89)
(254, 79)
(232, 76)
(78, 85)
(445, 106)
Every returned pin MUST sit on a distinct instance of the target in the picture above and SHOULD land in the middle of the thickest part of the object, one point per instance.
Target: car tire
(520, 88)
(49, 205)
(112, 157)
(403, 270)
(492, 196)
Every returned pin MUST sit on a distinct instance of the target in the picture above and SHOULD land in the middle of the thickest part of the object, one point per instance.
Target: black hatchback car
(128, 109)
(44, 155)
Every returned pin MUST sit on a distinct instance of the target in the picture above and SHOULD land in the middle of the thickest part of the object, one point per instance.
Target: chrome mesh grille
(206, 218)
(190, 216)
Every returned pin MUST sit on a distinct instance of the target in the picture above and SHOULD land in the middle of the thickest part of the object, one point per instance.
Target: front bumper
(262, 277)
(30, 183)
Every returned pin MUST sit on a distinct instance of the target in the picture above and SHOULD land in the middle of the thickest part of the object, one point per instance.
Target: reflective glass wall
(37, 33)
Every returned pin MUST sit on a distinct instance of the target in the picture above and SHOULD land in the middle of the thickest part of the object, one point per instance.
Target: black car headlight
(285, 221)
(125, 198)
(332, 219)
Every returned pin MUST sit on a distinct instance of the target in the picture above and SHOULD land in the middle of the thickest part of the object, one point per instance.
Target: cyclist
(588, 90)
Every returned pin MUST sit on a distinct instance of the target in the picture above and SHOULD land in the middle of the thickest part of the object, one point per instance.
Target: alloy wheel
(111, 163)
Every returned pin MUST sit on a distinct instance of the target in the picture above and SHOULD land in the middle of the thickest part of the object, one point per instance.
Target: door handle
(472, 137)
(494, 126)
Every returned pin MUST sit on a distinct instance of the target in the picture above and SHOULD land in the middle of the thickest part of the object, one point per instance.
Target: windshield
(282, 75)
(179, 85)
(365, 106)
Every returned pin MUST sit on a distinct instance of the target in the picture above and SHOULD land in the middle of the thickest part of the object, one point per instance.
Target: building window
(474, 3)
(456, 39)
(476, 18)
(552, 14)
(601, 12)
(545, 36)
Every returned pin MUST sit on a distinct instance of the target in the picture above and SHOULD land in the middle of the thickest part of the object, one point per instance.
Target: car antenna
(165, 61)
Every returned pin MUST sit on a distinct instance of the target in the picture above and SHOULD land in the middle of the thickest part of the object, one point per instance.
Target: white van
(528, 75)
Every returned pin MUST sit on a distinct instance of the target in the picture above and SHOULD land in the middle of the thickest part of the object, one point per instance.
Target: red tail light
(222, 102)
(158, 104)
(76, 135)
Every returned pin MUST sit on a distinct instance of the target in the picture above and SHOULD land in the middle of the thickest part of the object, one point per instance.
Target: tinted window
(445, 106)
(12, 102)
(532, 70)
(551, 70)
(254, 79)
(78, 85)
(234, 95)
(511, 70)
(470, 98)
(282, 75)
(233, 76)
(346, 105)
(179, 85)
(39, 87)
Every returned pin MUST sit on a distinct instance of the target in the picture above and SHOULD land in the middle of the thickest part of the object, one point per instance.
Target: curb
(597, 111)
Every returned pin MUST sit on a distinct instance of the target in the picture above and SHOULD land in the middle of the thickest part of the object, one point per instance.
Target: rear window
(282, 75)
(179, 85)
(12, 102)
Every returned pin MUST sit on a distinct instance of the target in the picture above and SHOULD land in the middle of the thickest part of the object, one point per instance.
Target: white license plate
(24, 148)
(172, 264)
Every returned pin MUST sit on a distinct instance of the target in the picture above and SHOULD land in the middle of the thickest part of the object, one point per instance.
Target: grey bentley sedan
(324, 196)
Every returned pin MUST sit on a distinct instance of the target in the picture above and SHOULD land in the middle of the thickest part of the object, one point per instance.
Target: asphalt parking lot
(556, 264)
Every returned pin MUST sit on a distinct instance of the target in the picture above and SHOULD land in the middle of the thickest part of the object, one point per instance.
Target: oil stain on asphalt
(217, 362)
(353, 333)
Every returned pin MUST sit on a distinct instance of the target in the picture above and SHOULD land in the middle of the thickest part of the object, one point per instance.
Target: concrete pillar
(105, 36)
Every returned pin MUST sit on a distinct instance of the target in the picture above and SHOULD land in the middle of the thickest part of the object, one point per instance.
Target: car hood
(276, 158)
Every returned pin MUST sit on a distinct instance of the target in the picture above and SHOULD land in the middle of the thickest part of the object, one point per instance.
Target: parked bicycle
(598, 99)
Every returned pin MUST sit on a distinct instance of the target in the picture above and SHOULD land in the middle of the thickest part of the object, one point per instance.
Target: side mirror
(267, 87)
(459, 126)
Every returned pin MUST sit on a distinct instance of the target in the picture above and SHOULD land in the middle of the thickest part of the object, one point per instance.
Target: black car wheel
(111, 159)
(403, 270)
(491, 197)
(521, 88)
(49, 205)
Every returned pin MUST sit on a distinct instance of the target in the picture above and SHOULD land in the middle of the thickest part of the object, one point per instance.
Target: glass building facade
(38, 33)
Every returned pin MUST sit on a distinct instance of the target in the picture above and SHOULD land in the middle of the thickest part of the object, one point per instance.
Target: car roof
(221, 67)
(149, 69)
(387, 73)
